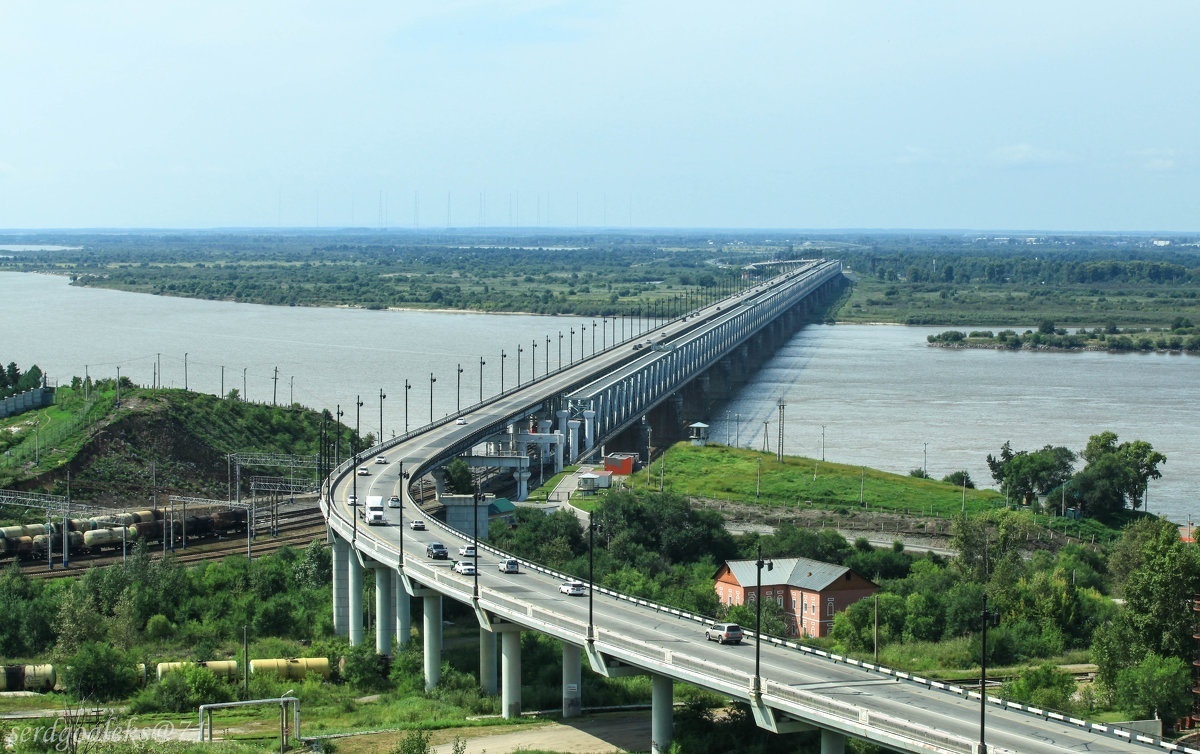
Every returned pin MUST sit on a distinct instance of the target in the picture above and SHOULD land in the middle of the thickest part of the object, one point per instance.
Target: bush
(365, 670)
(99, 672)
(159, 627)
(183, 690)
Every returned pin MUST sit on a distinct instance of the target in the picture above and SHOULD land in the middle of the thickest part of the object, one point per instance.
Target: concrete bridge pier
(572, 680)
(510, 680)
(403, 609)
(439, 480)
(384, 625)
(341, 608)
(488, 680)
(662, 720)
(558, 452)
(589, 431)
(355, 598)
(575, 453)
(522, 476)
(432, 609)
(832, 742)
(562, 423)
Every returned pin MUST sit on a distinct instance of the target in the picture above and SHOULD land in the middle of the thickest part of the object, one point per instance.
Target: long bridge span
(567, 415)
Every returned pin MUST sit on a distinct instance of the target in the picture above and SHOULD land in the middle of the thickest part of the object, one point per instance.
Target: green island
(1054, 579)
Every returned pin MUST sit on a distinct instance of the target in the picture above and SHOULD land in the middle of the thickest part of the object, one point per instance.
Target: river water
(884, 398)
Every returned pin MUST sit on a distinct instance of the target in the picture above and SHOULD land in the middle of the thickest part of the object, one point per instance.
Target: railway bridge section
(570, 414)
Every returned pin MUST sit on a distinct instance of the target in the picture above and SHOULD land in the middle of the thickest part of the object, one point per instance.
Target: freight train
(45, 677)
(112, 532)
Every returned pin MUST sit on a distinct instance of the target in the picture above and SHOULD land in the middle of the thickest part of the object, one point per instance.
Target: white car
(381, 459)
(394, 502)
(466, 551)
(573, 588)
(417, 525)
(352, 500)
(465, 567)
(364, 471)
(460, 420)
(511, 565)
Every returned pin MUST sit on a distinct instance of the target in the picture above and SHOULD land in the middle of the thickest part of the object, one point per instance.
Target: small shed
(620, 463)
(588, 483)
(698, 432)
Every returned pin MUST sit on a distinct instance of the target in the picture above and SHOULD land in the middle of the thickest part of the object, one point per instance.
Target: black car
(437, 551)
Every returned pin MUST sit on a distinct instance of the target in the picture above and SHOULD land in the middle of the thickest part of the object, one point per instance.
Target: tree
(1115, 475)
(458, 477)
(99, 671)
(1026, 474)
(959, 479)
(1155, 687)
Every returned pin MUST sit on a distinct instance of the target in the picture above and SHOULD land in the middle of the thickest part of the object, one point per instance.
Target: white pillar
(510, 684)
(562, 422)
(487, 662)
(432, 608)
(403, 611)
(341, 552)
(589, 429)
(558, 451)
(355, 599)
(832, 742)
(572, 681)
(522, 477)
(574, 454)
(661, 714)
(384, 625)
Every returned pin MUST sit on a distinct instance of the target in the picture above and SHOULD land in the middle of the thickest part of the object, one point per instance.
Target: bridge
(788, 687)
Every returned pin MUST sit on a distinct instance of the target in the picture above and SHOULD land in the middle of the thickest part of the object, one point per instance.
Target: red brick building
(809, 591)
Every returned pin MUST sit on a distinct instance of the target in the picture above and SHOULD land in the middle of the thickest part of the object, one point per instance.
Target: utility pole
(275, 387)
(381, 397)
(779, 444)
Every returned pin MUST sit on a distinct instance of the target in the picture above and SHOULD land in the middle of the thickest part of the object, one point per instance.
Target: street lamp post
(603, 333)
(572, 349)
(988, 617)
(503, 356)
(337, 443)
(358, 404)
(432, 380)
(593, 337)
(533, 362)
(560, 349)
(547, 353)
(520, 350)
(407, 387)
(925, 463)
(476, 498)
(458, 392)
(759, 563)
(482, 364)
(822, 442)
(381, 397)
(591, 633)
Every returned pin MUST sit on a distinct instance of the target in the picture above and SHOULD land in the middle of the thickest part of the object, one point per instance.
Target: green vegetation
(1076, 281)
(1181, 336)
(13, 380)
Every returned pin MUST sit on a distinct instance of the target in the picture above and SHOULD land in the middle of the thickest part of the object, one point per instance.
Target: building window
(829, 606)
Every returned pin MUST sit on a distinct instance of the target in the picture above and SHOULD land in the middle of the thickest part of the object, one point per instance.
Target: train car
(22, 530)
(27, 678)
(292, 668)
(227, 669)
(94, 541)
(44, 543)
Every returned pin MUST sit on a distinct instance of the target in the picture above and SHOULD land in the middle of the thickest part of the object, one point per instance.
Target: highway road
(889, 708)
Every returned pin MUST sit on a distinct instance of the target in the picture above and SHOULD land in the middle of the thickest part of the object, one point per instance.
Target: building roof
(803, 573)
(500, 506)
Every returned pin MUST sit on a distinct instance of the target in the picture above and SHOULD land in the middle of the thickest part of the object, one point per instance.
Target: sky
(866, 114)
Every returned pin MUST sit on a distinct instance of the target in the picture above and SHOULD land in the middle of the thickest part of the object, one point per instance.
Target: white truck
(374, 514)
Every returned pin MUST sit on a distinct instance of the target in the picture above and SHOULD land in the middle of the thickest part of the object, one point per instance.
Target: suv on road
(724, 633)
(466, 551)
(510, 565)
(437, 551)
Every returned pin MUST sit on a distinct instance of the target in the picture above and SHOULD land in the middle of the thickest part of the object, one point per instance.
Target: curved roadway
(890, 708)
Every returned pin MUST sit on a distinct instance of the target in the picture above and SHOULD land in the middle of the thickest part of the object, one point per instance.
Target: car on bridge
(381, 459)
(364, 471)
(460, 420)
(465, 567)
(724, 633)
(416, 525)
(437, 551)
(573, 588)
(466, 551)
(394, 502)
(509, 565)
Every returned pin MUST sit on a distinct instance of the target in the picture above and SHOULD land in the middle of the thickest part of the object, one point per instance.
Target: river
(884, 398)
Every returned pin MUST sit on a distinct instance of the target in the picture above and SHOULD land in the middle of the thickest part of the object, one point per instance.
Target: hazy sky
(1051, 114)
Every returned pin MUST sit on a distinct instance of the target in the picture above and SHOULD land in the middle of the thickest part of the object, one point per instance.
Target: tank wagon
(90, 535)
(27, 677)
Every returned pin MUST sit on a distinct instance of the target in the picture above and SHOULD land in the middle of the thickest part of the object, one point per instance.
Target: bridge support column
(487, 662)
(354, 593)
(403, 610)
(661, 714)
(574, 454)
(341, 556)
(439, 481)
(384, 625)
(832, 742)
(589, 430)
(572, 681)
(522, 477)
(562, 422)
(432, 605)
(510, 684)
(558, 451)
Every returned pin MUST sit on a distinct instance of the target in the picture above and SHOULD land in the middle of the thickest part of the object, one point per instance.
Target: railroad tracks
(294, 529)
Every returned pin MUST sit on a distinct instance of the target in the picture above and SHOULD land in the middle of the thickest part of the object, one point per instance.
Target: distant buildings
(809, 591)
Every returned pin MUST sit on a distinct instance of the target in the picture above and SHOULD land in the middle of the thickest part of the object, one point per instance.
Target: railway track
(294, 529)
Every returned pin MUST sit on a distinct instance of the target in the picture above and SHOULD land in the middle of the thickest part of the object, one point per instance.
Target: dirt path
(601, 734)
